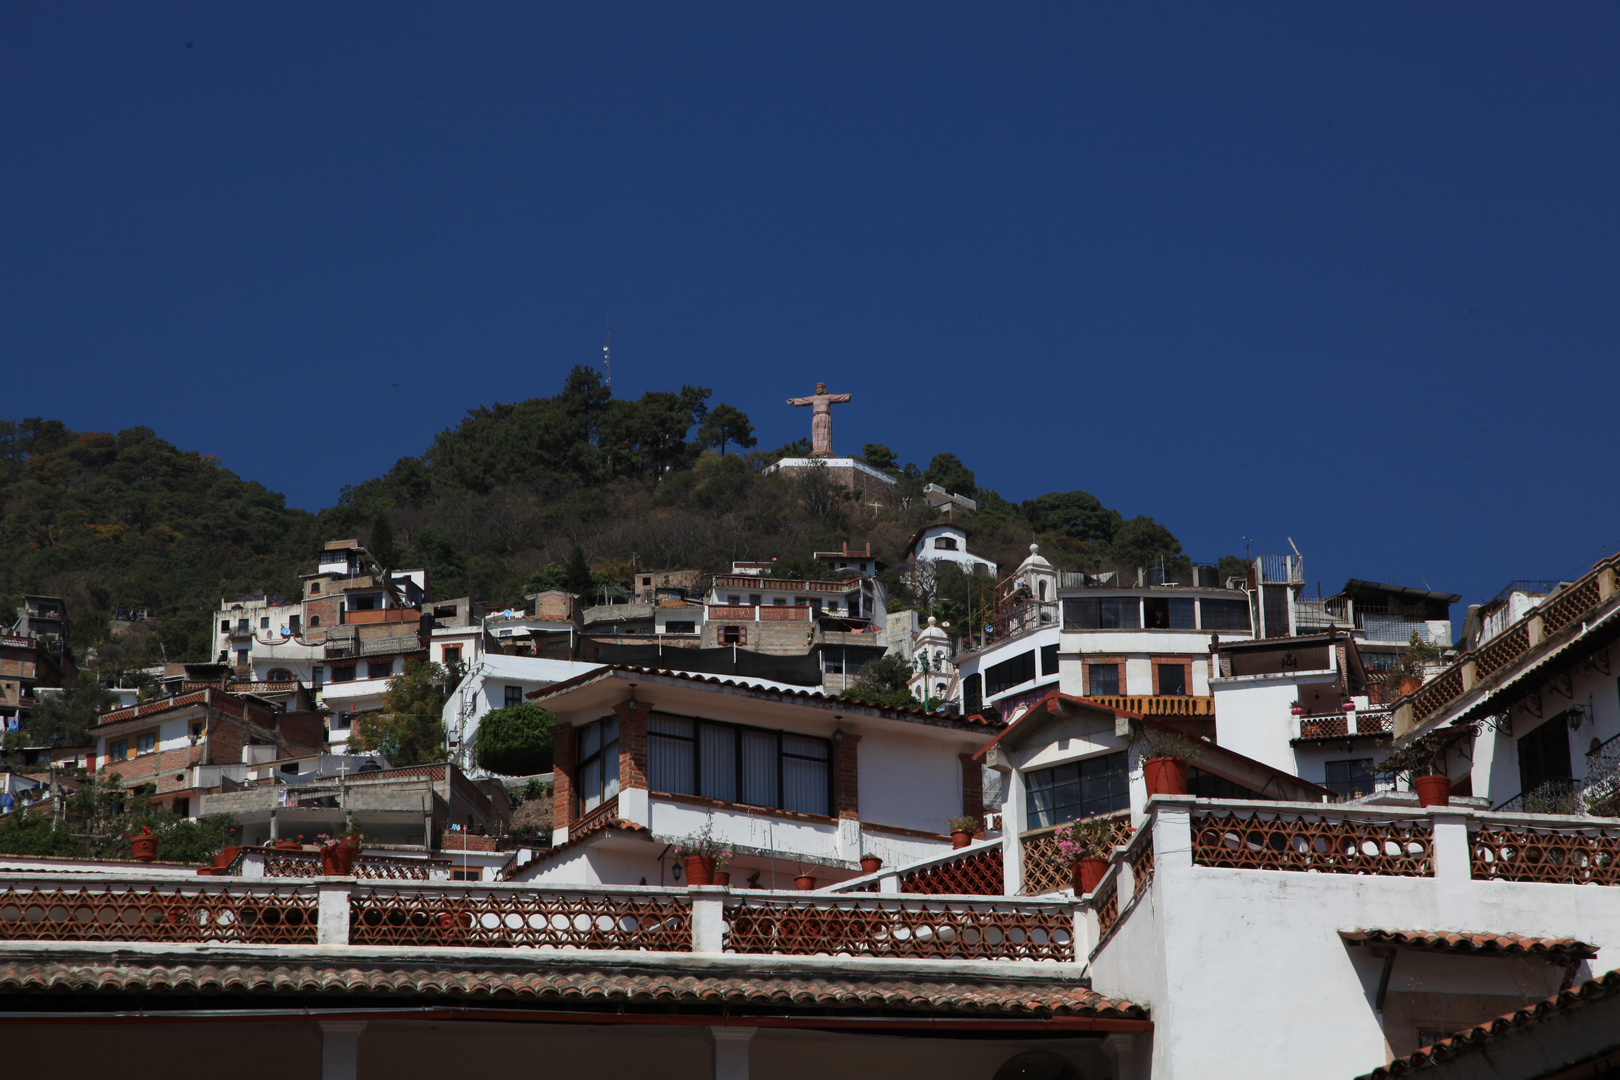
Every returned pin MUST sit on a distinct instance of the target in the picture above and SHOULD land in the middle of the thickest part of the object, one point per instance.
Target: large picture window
(598, 763)
(1225, 614)
(739, 764)
(1009, 673)
(1102, 613)
(1094, 785)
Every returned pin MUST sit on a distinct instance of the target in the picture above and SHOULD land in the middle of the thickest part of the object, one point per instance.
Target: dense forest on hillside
(495, 507)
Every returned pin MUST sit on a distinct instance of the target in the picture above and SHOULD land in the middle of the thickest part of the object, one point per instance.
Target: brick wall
(304, 729)
(972, 791)
(846, 776)
(326, 607)
(562, 766)
(632, 743)
(225, 742)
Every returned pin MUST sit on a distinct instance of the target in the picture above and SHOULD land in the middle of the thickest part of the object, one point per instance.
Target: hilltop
(494, 507)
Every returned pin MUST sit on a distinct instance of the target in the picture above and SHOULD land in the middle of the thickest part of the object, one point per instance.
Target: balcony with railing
(1341, 725)
(761, 612)
(1282, 570)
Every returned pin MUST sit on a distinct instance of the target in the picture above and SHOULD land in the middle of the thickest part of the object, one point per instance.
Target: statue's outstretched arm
(803, 400)
(837, 399)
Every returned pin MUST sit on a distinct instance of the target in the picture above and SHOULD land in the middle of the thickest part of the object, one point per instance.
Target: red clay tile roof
(1554, 950)
(1475, 1038)
(811, 697)
(583, 981)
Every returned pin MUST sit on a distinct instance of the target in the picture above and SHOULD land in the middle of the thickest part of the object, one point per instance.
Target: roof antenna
(607, 340)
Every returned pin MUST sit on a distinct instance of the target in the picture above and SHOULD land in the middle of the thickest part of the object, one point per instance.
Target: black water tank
(1208, 577)
(1154, 576)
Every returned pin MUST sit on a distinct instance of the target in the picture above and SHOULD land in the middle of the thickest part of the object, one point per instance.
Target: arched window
(279, 674)
(945, 543)
(1043, 592)
(314, 620)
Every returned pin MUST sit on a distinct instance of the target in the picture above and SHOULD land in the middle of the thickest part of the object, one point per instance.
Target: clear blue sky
(1341, 273)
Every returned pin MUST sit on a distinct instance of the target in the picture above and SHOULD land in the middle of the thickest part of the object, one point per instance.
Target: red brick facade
(633, 717)
(562, 775)
(846, 776)
(972, 791)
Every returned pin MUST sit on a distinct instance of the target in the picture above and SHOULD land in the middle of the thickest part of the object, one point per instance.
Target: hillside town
(713, 820)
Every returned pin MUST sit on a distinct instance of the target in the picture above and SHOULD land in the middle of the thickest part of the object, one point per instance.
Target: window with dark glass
(733, 635)
(146, 742)
(598, 768)
(1222, 614)
(1049, 661)
(295, 623)
(738, 764)
(1172, 678)
(1544, 755)
(972, 695)
(342, 672)
(513, 696)
(1102, 679)
(1102, 613)
(1094, 785)
(118, 750)
(680, 626)
(1009, 673)
(379, 669)
(945, 543)
(452, 655)
(1169, 613)
(1209, 786)
(1353, 777)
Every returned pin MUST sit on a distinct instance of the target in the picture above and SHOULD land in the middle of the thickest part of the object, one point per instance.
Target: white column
(332, 911)
(1453, 869)
(730, 1051)
(340, 1049)
(708, 918)
(889, 883)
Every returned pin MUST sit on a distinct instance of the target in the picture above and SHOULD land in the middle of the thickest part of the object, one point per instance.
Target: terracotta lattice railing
(1256, 840)
(244, 914)
(859, 925)
(978, 874)
(1499, 852)
(532, 919)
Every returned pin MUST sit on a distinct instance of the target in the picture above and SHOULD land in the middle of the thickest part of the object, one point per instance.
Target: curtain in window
(718, 747)
(759, 779)
(804, 775)
(671, 755)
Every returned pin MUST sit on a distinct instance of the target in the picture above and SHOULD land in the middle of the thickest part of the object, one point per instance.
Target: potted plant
(290, 845)
(697, 853)
(1083, 849)
(722, 868)
(143, 844)
(962, 830)
(337, 857)
(805, 882)
(1296, 708)
(1423, 760)
(1164, 755)
(351, 836)
(1348, 704)
(870, 864)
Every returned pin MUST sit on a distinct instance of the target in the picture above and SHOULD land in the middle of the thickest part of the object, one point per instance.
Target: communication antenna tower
(606, 362)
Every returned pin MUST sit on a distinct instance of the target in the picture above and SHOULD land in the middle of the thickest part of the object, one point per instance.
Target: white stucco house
(497, 681)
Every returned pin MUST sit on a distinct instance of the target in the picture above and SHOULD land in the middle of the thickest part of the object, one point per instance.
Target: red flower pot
(699, 870)
(1165, 776)
(144, 848)
(1349, 706)
(1433, 790)
(349, 842)
(722, 877)
(338, 860)
(961, 839)
(805, 882)
(872, 865)
(1297, 710)
(1088, 874)
(288, 845)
